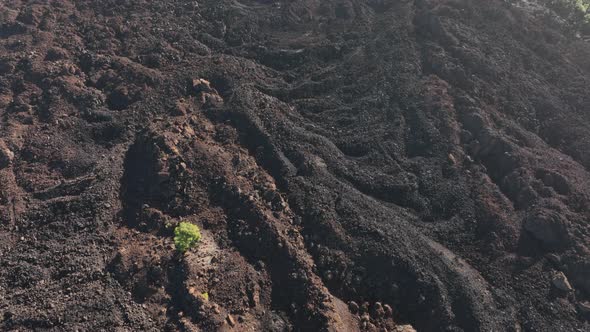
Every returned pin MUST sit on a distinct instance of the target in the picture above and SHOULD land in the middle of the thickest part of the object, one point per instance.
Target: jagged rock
(579, 272)
(6, 155)
(405, 328)
(452, 159)
(560, 282)
(119, 99)
(253, 294)
(549, 227)
(181, 107)
(353, 306)
(473, 122)
(20, 105)
(364, 307)
(154, 219)
(6, 66)
(209, 97)
(555, 259)
(555, 180)
(29, 16)
(388, 310)
(202, 85)
(69, 69)
(584, 307)
(230, 320)
(219, 29)
(56, 53)
(378, 310)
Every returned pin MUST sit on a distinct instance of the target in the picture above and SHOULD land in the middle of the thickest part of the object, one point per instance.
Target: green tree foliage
(186, 236)
(575, 12)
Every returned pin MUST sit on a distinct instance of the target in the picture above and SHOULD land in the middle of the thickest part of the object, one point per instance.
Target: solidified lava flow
(352, 165)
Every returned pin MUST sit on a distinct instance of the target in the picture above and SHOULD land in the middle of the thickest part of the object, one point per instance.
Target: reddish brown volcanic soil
(353, 165)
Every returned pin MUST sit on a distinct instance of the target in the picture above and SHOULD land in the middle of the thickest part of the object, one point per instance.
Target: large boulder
(549, 227)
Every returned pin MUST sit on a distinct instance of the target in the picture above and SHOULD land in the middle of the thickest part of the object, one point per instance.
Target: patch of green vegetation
(575, 12)
(186, 236)
(583, 5)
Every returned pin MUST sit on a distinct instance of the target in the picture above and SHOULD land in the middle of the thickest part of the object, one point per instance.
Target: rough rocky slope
(353, 164)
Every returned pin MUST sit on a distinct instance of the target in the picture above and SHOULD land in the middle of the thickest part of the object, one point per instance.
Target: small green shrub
(186, 236)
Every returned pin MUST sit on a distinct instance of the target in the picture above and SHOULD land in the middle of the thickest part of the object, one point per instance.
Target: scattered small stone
(560, 282)
(260, 265)
(421, 299)
(365, 318)
(353, 306)
(394, 288)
